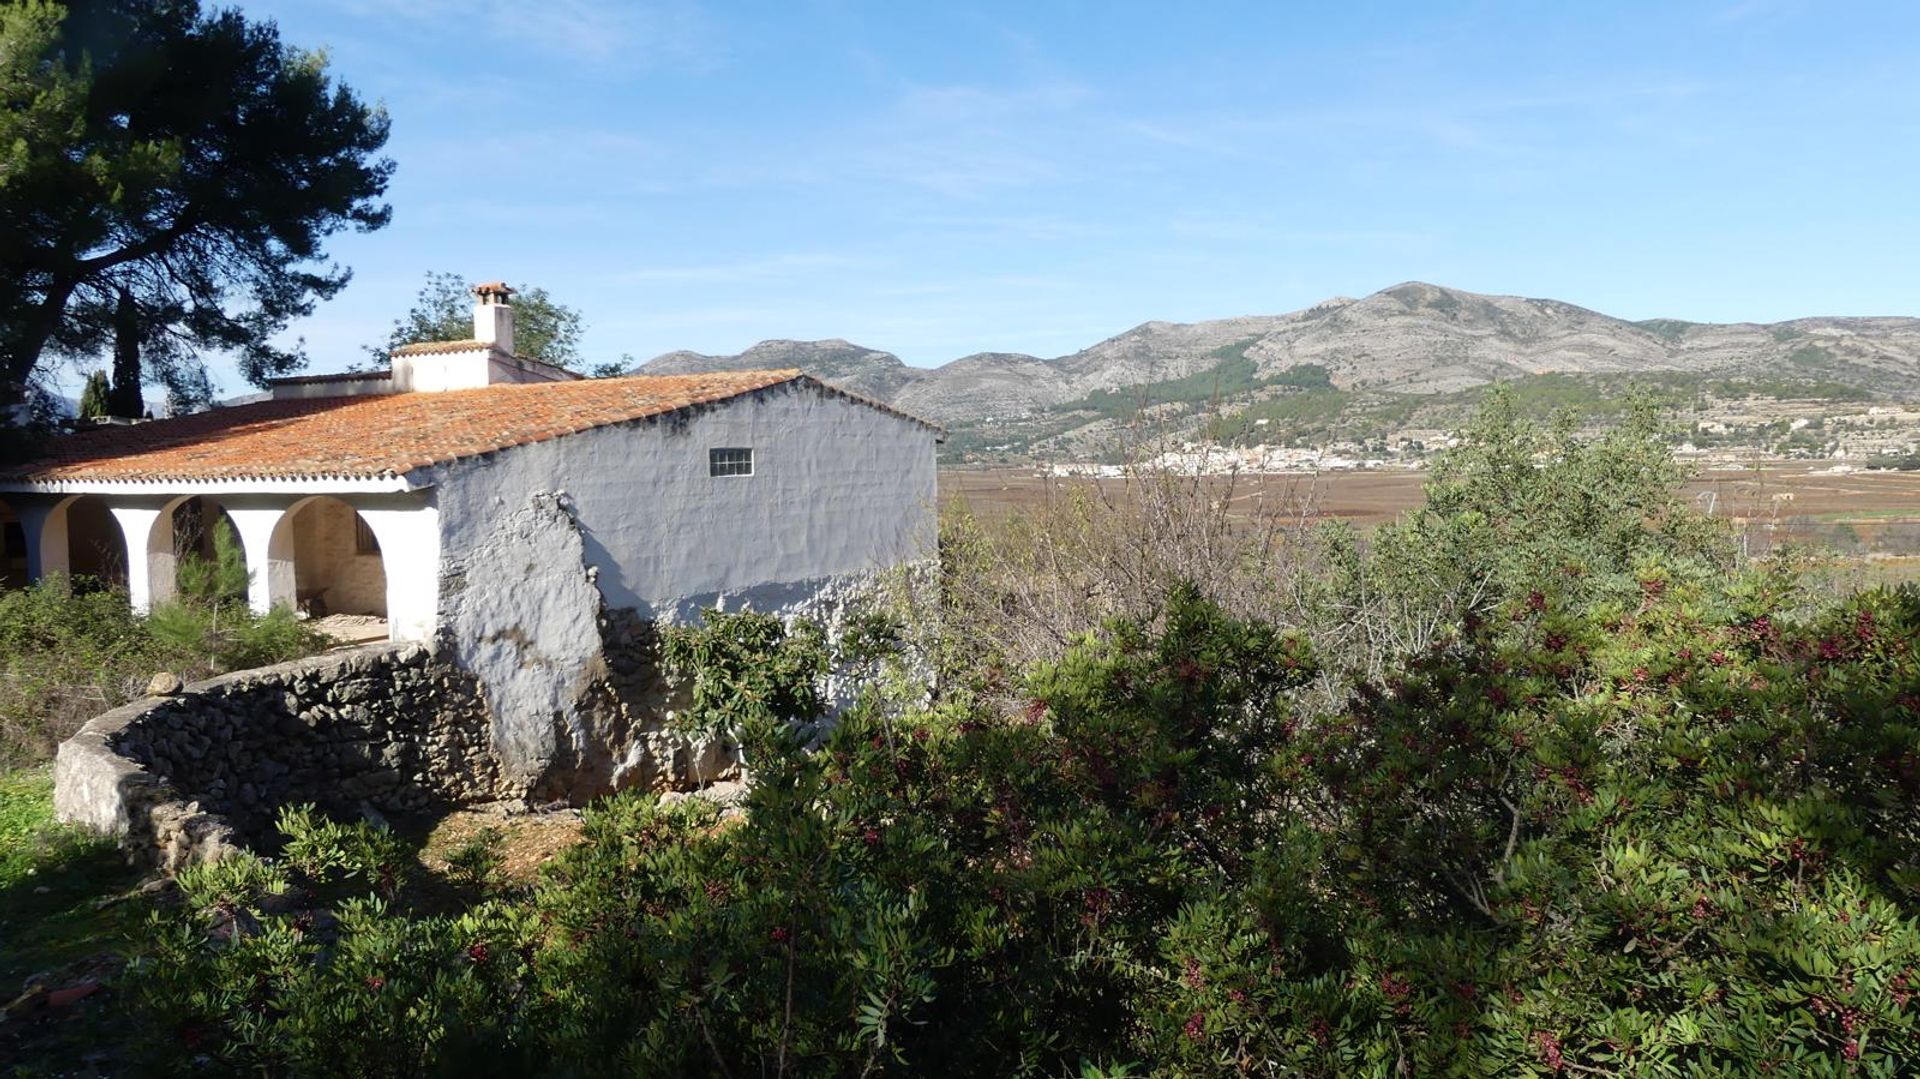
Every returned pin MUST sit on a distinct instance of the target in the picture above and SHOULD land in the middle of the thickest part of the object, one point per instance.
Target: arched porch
(77, 537)
(338, 567)
(371, 554)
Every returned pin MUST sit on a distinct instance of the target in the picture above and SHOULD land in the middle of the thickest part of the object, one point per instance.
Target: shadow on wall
(338, 565)
(391, 728)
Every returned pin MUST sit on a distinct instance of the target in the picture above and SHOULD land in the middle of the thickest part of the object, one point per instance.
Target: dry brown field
(1872, 516)
(1773, 491)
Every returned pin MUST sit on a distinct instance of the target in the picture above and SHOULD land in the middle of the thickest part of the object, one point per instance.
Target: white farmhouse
(417, 494)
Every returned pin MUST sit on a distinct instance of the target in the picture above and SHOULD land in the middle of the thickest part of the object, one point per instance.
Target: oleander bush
(1670, 834)
(1561, 790)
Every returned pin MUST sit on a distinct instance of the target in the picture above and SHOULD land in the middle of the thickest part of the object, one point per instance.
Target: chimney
(493, 315)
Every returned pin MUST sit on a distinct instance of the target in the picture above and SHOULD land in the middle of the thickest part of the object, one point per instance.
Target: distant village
(1879, 436)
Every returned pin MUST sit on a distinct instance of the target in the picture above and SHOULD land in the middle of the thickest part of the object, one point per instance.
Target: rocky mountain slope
(1411, 339)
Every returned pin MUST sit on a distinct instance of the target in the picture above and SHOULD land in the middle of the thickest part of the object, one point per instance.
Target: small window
(731, 461)
(364, 541)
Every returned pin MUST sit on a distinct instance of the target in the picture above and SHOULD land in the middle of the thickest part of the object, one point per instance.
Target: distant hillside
(863, 370)
(1412, 340)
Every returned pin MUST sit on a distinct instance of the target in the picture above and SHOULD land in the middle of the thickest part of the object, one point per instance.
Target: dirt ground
(524, 841)
(351, 628)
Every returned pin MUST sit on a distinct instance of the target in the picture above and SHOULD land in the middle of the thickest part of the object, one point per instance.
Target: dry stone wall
(392, 728)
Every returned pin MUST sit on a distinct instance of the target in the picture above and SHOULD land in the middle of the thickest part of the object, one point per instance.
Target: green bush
(1514, 506)
(67, 653)
(72, 649)
(1667, 834)
(1538, 781)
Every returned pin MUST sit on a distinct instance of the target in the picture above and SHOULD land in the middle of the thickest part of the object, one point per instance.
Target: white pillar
(408, 528)
(149, 574)
(267, 546)
(44, 521)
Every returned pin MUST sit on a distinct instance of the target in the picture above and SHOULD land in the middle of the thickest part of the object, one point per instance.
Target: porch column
(149, 559)
(408, 528)
(267, 546)
(44, 522)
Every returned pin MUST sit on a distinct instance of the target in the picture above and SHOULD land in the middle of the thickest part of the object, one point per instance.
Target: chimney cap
(495, 291)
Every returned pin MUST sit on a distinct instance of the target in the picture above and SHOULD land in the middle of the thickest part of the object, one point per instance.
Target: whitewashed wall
(535, 538)
(839, 488)
(431, 372)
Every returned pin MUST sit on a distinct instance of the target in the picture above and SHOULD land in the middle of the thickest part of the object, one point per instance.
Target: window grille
(730, 461)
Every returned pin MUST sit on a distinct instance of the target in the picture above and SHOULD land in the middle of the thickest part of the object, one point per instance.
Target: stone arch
(325, 558)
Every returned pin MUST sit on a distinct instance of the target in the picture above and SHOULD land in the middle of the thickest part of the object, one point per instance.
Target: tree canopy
(93, 398)
(168, 177)
(543, 328)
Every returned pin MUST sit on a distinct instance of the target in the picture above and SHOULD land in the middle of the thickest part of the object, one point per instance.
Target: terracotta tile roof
(375, 436)
(431, 348)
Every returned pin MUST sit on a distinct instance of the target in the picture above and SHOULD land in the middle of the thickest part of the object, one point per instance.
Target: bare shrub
(1101, 547)
(1515, 508)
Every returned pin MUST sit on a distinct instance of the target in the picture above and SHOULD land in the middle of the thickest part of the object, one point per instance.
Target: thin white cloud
(635, 34)
(771, 267)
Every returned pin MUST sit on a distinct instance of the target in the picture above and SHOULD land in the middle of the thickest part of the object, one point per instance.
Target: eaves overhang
(288, 485)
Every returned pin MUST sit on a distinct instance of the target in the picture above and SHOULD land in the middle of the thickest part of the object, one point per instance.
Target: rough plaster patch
(524, 621)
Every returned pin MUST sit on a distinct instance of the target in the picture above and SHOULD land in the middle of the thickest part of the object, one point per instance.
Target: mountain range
(1411, 339)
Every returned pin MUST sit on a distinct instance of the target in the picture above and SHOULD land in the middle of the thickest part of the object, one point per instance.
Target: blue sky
(942, 179)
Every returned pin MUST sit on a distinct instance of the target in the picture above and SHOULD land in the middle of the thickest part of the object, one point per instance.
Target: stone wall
(565, 704)
(394, 728)
(388, 727)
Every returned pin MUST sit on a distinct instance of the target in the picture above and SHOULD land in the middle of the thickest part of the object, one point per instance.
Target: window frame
(727, 468)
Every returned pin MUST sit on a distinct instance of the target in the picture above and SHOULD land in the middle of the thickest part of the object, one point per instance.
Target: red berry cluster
(1550, 1052)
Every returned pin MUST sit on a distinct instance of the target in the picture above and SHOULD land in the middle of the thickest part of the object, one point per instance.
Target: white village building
(387, 494)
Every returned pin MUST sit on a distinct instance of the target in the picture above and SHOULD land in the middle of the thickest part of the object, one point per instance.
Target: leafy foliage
(70, 649)
(67, 653)
(93, 397)
(1514, 505)
(209, 617)
(1664, 836)
(169, 178)
(1627, 808)
(443, 311)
